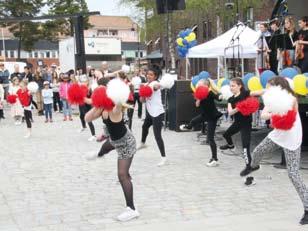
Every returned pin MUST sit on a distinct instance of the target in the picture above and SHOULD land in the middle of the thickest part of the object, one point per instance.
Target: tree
(26, 32)
(64, 26)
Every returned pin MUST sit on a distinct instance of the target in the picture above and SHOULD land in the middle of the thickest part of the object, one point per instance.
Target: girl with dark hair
(301, 51)
(154, 114)
(210, 114)
(289, 140)
(242, 123)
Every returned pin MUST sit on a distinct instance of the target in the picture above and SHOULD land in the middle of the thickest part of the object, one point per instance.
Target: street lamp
(138, 31)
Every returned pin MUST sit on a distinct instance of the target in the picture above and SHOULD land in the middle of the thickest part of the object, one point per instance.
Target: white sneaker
(212, 163)
(184, 127)
(81, 130)
(27, 135)
(128, 214)
(92, 138)
(91, 156)
(141, 146)
(163, 162)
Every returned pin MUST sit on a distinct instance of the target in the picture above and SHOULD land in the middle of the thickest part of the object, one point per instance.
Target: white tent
(240, 36)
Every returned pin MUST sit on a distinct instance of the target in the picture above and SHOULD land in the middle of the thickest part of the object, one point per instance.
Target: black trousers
(245, 129)
(1, 114)
(83, 109)
(137, 100)
(157, 123)
(273, 62)
(57, 101)
(28, 117)
(303, 63)
(130, 113)
(211, 127)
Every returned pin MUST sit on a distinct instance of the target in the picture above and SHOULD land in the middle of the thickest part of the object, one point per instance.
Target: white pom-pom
(118, 91)
(33, 87)
(291, 83)
(125, 69)
(226, 92)
(278, 100)
(167, 81)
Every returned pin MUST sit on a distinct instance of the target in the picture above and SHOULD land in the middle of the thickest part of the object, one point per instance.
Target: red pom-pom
(284, 122)
(77, 93)
(11, 99)
(24, 97)
(201, 92)
(101, 100)
(248, 106)
(145, 91)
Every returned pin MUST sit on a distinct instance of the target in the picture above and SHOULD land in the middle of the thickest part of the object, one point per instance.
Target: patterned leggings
(293, 165)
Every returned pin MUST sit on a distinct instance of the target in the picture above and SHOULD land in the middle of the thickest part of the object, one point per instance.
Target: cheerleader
(25, 99)
(154, 114)
(125, 144)
(242, 123)
(210, 114)
(289, 140)
(16, 109)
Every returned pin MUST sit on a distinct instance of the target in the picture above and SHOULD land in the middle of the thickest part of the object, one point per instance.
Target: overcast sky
(108, 7)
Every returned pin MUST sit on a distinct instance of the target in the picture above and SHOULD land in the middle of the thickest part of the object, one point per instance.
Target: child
(16, 109)
(25, 99)
(63, 91)
(47, 99)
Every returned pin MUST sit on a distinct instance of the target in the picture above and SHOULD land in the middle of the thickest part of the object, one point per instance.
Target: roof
(112, 22)
(133, 46)
(40, 45)
(155, 55)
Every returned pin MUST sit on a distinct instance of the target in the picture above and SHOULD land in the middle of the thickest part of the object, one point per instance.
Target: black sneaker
(250, 181)
(304, 220)
(226, 147)
(248, 169)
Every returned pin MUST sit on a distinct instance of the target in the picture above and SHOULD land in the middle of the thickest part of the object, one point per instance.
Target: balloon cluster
(186, 39)
(195, 80)
(298, 82)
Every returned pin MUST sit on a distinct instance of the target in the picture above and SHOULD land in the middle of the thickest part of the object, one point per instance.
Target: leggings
(83, 109)
(137, 100)
(293, 165)
(245, 129)
(57, 100)
(106, 148)
(130, 113)
(211, 127)
(28, 117)
(157, 123)
(125, 181)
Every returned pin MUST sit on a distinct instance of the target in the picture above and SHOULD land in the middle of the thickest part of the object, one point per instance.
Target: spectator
(48, 99)
(27, 74)
(56, 96)
(16, 73)
(4, 79)
(40, 81)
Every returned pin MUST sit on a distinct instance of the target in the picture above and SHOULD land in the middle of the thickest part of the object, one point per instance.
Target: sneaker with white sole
(27, 135)
(250, 181)
(141, 146)
(91, 156)
(163, 162)
(184, 127)
(212, 163)
(92, 138)
(128, 214)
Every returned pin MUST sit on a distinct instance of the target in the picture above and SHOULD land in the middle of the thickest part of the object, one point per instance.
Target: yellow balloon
(219, 83)
(254, 84)
(191, 37)
(192, 87)
(179, 41)
(300, 85)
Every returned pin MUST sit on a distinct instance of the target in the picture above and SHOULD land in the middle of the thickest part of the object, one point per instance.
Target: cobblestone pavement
(47, 185)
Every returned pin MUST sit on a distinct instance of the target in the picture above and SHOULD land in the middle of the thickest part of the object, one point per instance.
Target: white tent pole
(186, 68)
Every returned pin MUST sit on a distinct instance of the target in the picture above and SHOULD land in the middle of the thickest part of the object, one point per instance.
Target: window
(54, 54)
(42, 54)
(6, 53)
(30, 55)
(141, 54)
(136, 54)
(113, 32)
(102, 32)
(12, 54)
(48, 54)
(35, 54)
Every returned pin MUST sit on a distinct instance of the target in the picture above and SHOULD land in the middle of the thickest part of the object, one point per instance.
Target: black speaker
(181, 104)
(171, 5)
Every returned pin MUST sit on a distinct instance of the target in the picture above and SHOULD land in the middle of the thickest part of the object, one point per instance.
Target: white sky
(108, 7)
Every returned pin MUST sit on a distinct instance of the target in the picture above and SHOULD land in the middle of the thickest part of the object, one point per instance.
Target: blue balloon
(187, 32)
(182, 34)
(204, 75)
(307, 83)
(266, 76)
(195, 80)
(225, 82)
(306, 74)
(190, 45)
(185, 42)
(246, 78)
(193, 43)
(288, 72)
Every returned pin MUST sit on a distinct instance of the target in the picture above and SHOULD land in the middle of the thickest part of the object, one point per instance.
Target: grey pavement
(46, 184)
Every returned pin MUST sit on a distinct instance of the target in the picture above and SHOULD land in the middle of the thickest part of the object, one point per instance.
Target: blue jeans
(67, 110)
(48, 110)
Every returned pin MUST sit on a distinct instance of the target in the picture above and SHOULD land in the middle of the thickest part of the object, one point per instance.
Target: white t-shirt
(154, 104)
(288, 139)
(47, 96)
(136, 81)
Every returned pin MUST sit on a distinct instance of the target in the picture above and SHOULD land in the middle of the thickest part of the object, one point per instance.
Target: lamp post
(138, 46)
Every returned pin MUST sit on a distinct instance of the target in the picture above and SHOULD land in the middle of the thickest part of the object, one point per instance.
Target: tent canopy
(241, 34)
